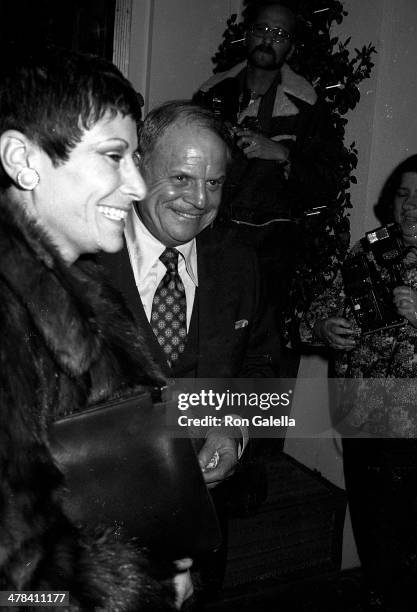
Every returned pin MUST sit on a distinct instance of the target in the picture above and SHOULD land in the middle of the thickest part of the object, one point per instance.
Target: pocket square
(241, 323)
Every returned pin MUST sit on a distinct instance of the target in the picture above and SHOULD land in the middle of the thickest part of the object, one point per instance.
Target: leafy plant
(336, 73)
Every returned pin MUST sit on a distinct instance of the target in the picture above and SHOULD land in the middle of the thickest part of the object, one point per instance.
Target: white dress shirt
(144, 252)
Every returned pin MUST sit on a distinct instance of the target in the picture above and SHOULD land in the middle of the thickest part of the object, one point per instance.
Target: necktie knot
(169, 309)
(170, 259)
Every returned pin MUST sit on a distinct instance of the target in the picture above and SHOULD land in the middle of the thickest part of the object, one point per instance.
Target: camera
(369, 281)
(218, 106)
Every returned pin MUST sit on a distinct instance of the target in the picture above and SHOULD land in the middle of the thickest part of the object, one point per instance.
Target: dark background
(83, 25)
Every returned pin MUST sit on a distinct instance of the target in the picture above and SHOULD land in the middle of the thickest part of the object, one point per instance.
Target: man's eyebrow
(181, 173)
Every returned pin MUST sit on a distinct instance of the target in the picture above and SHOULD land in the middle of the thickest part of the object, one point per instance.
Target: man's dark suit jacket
(231, 333)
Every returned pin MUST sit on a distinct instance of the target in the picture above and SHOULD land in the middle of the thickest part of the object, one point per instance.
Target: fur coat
(66, 342)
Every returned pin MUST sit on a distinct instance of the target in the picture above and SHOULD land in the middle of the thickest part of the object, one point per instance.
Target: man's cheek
(214, 204)
(175, 191)
(162, 190)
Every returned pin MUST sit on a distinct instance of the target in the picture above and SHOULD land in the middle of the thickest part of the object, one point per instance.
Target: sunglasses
(278, 35)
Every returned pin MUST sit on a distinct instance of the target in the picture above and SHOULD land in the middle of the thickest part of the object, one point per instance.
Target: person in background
(68, 177)
(378, 409)
(282, 135)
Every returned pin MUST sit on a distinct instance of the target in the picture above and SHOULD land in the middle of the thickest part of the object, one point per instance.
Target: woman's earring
(27, 178)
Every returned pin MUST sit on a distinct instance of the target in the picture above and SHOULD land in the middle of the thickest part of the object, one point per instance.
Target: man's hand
(218, 457)
(337, 332)
(405, 300)
(254, 144)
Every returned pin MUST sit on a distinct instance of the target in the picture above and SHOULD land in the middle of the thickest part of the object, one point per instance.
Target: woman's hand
(337, 332)
(254, 144)
(405, 300)
(182, 582)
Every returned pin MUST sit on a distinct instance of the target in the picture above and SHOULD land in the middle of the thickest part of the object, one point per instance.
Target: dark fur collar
(76, 313)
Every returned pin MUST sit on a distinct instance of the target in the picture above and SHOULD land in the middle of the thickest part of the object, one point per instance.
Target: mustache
(264, 49)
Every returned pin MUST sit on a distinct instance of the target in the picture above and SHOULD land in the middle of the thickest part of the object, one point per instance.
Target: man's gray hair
(178, 112)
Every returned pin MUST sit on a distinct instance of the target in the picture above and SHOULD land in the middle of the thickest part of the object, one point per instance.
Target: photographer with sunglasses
(280, 129)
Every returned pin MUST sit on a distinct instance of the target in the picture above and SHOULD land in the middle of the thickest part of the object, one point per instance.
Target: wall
(395, 116)
(385, 123)
(384, 127)
(172, 43)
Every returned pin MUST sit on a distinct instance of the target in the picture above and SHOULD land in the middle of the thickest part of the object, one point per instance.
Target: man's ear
(15, 152)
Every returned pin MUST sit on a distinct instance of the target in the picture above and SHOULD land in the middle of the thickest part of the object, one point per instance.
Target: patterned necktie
(169, 309)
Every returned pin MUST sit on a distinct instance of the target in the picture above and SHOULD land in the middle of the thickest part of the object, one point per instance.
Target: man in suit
(224, 331)
(184, 153)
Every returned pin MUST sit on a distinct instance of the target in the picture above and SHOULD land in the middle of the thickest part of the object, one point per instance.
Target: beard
(263, 56)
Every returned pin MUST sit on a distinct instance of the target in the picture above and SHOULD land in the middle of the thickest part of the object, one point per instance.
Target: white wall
(384, 127)
(385, 124)
(172, 43)
(394, 136)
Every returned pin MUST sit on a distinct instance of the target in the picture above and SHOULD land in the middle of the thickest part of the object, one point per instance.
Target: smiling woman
(378, 402)
(83, 202)
(68, 176)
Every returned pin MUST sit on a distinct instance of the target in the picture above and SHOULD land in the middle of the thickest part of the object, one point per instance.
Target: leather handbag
(126, 469)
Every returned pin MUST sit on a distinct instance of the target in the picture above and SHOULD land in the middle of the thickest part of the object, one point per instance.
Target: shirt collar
(144, 249)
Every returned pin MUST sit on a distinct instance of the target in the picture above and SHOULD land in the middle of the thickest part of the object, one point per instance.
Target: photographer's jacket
(259, 190)
(383, 406)
(66, 342)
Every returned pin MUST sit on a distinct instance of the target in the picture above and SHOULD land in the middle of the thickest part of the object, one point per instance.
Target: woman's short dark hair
(384, 209)
(53, 95)
(182, 112)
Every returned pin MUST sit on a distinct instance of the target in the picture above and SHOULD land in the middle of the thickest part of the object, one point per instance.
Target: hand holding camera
(255, 144)
(405, 300)
(337, 332)
(371, 277)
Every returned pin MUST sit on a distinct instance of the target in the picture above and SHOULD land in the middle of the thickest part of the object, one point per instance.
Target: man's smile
(187, 214)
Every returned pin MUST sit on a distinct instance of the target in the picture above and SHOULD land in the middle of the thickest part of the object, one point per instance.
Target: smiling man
(184, 158)
(195, 293)
(196, 296)
(185, 177)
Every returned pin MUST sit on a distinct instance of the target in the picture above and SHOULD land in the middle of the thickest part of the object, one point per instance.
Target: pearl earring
(27, 178)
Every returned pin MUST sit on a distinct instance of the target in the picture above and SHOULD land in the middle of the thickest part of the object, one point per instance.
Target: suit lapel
(214, 287)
